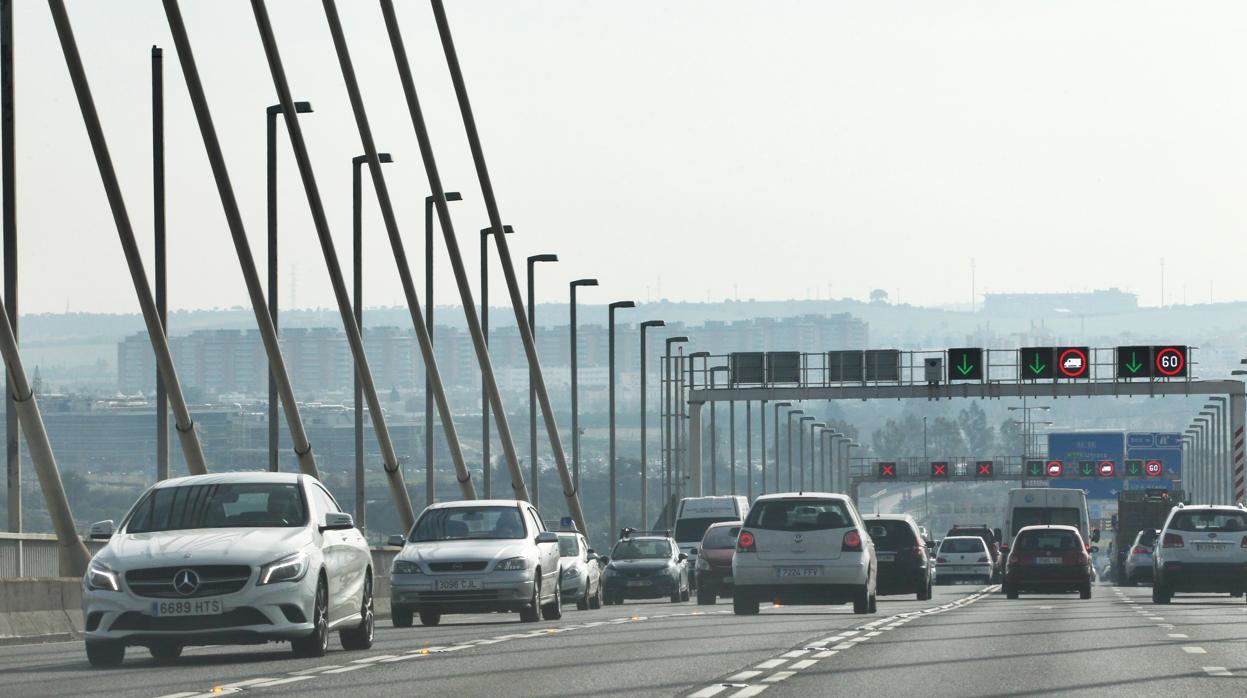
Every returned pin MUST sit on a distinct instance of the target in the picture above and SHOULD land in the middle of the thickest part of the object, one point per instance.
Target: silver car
(478, 556)
(1138, 567)
(581, 571)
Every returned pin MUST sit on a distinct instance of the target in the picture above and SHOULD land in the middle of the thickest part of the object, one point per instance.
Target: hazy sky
(766, 149)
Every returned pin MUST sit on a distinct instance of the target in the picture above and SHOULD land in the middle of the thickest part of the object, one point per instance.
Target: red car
(714, 561)
(1048, 559)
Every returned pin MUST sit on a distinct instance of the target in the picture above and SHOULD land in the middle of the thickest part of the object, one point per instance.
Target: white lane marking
(843, 646)
(1155, 618)
(1166, 626)
(794, 654)
(1195, 650)
(829, 640)
(1179, 636)
(368, 660)
(1217, 671)
(846, 633)
(402, 658)
(279, 682)
(709, 691)
(313, 670)
(243, 684)
(859, 639)
(1045, 608)
(743, 676)
(343, 670)
(748, 691)
(873, 634)
(183, 694)
(803, 664)
(772, 663)
(824, 654)
(778, 676)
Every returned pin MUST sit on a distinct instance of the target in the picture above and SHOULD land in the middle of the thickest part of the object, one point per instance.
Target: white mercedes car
(235, 558)
(479, 556)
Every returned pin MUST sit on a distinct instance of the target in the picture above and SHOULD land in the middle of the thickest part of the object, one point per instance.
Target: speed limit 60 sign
(1168, 361)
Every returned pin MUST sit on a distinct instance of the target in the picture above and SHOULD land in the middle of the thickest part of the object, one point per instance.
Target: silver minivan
(476, 556)
(804, 548)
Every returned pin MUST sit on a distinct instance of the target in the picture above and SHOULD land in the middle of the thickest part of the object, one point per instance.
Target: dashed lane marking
(803, 664)
(794, 654)
(1195, 650)
(1179, 636)
(1217, 671)
(779, 676)
(772, 663)
(748, 691)
(743, 676)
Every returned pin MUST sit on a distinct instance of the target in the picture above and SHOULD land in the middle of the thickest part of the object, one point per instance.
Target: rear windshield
(1045, 516)
(568, 546)
(1048, 540)
(962, 545)
(799, 515)
(1210, 521)
(1147, 537)
(642, 549)
(469, 523)
(720, 538)
(891, 535)
(693, 529)
(226, 505)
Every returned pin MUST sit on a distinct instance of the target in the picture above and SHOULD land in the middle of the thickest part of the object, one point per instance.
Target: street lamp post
(813, 461)
(694, 476)
(1220, 453)
(749, 449)
(844, 464)
(776, 427)
(487, 475)
(790, 415)
(1195, 485)
(357, 282)
(533, 260)
(611, 397)
(430, 484)
(644, 461)
(575, 351)
(668, 454)
(801, 449)
(271, 114)
(714, 437)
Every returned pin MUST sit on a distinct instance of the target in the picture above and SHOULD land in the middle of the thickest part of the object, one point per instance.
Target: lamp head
(542, 258)
(585, 282)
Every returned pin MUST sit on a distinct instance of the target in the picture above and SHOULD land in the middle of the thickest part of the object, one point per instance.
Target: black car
(991, 537)
(643, 566)
(905, 565)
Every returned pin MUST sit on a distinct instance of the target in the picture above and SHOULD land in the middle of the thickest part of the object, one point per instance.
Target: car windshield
(963, 545)
(891, 535)
(721, 538)
(694, 529)
(1044, 516)
(1147, 538)
(1210, 521)
(800, 515)
(1047, 540)
(568, 546)
(225, 505)
(641, 550)
(469, 523)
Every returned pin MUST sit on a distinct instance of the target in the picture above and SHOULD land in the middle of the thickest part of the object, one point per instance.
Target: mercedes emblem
(186, 582)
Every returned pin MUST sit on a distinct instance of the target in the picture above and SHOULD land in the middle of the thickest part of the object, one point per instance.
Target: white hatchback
(963, 558)
(807, 548)
(234, 558)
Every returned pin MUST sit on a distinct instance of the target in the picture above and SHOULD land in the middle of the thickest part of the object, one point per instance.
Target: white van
(1045, 506)
(695, 514)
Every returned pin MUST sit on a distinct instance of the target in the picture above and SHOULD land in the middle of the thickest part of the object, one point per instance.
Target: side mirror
(102, 530)
(590, 552)
(996, 532)
(397, 540)
(547, 537)
(1095, 535)
(1095, 548)
(683, 557)
(337, 521)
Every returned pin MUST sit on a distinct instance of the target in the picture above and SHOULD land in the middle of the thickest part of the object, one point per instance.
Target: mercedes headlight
(512, 564)
(100, 577)
(288, 569)
(405, 567)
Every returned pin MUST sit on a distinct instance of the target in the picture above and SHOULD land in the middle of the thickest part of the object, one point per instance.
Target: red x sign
(985, 468)
(939, 469)
(887, 470)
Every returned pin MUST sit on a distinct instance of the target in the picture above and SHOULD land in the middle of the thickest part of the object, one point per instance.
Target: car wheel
(705, 595)
(1160, 594)
(684, 595)
(554, 609)
(430, 618)
(874, 602)
(1084, 592)
(400, 617)
(861, 600)
(595, 601)
(316, 644)
(924, 594)
(165, 654)
(675, 596)
(105, 654)
(360, 637)
(744, 605)
(532, 612)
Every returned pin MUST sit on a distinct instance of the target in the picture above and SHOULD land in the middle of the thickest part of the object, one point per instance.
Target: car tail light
(1140, 550)
(852, 542)
(745, 542)
(1244, 545)
(983, 559)
(919, 551)
(1173, 540)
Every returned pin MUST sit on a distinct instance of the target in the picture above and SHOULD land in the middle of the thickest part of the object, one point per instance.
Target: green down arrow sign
(1036, 367)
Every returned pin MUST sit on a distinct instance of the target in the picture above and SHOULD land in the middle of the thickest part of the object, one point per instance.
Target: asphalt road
(963, 643)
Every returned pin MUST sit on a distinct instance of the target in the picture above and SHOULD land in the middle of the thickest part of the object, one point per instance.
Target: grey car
(479, 556)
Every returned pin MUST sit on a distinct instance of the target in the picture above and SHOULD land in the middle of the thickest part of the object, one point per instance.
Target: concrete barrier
(50, 609)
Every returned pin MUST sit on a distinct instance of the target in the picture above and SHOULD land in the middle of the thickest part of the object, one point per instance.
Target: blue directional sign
(1123, 449)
